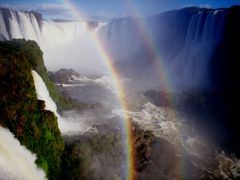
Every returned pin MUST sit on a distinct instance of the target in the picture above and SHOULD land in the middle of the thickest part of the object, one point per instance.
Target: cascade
(43, 94)
(190, 67)
(206, 26)
(67, 126)
(185, 49)
(16, 162)
(29, 26)
(183, 40)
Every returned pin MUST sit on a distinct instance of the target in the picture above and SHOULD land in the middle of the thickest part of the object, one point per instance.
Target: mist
(97, 130)
(68, 45)
(178, 71)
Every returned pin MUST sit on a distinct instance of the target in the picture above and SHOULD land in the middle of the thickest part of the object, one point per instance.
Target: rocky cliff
(20, 110)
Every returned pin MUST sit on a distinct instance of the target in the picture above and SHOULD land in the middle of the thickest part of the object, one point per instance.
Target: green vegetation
(31, 51)
(21, 112)
(75, 162)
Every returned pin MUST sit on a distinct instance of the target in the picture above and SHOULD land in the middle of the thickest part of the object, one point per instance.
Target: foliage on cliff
(21, 112)
(34, 55)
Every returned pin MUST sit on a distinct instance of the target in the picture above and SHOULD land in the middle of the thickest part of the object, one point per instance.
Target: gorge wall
(185, 43)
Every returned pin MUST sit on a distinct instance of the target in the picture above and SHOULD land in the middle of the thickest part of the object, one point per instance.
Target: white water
(43, 94)
(104, 81)
(57, 33)
(67, 126)
(49, 34)
(209, 29)
(16, 162)
(64, 44)
(164, 123)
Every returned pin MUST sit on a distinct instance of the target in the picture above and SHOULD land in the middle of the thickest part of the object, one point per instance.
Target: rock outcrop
(21, 112)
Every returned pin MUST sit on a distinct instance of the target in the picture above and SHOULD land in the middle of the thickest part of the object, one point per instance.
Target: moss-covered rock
(75, 162)
(31, 51)
(21, 112)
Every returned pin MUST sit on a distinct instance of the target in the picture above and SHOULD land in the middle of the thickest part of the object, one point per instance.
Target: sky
(108, 9)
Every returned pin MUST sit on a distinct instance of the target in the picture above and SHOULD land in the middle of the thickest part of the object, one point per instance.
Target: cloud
(24, 7)
(51, 7)
(47, 7)
(48, 10)
(104, 16)
(208, 6)
(62, 11)
(54, 10)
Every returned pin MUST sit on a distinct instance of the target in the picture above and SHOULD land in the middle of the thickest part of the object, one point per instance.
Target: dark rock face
(163, 162)
(224, 69)
(142, 143)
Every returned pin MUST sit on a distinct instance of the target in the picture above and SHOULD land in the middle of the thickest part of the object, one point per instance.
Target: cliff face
(21, 112)
(34, 55)
(192, 46)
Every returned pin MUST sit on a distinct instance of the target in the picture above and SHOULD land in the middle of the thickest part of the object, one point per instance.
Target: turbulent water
(198, 152)
(16, 162)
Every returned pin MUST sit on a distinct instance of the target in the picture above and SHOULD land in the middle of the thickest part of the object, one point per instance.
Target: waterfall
(190, 68)
(206, 26)
(43, 94)
(28, 25)
(16, 162)
(67, 126)
(64, 43)
(57, 33)
(185, 40)
(18, 25)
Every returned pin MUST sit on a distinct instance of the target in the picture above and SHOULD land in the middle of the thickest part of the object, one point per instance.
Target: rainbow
(106, 57)
(164, 81)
